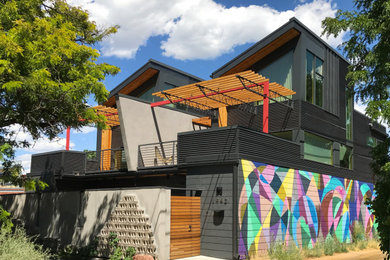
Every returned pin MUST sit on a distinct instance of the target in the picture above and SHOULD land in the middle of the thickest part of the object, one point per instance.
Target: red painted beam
(265, 107)
(67, 138)
(166, 102)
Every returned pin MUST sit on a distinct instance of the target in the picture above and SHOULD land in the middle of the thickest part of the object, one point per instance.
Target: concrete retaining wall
(77, 217)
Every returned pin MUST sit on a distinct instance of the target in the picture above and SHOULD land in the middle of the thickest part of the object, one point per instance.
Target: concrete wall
(139, 126)
(77, 217)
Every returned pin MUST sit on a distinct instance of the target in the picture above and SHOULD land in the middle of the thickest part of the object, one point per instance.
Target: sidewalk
(366, 254)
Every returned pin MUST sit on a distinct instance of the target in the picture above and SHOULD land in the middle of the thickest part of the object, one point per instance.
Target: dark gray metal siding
(317, 120)
(59, 162)
(204, 146)
(216, 211)
(116, 141)
(281, 118)
(332, 84)
(361, 132)
(207, 144)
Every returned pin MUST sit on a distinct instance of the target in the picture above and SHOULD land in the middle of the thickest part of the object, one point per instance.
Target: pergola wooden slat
(110, 113)
(219, 93)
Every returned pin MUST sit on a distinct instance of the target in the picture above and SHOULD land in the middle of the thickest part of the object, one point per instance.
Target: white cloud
(197, 29)
(25, 161)
(84, 130)
(359, 106)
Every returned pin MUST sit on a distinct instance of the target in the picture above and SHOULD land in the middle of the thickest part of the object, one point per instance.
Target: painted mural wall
(294, 206)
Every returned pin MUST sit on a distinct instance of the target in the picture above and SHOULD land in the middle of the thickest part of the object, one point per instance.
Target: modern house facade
(246, 166)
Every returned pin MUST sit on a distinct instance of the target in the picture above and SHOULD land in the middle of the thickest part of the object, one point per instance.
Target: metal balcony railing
(105, 160)
(157, 154)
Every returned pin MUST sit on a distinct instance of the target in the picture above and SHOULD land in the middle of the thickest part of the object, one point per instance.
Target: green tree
(368, 50)
(48, 70)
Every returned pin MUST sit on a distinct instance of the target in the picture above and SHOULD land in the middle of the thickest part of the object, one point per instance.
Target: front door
(185, 226)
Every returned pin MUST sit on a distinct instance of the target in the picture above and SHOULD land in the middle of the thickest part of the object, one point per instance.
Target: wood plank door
(185, 227)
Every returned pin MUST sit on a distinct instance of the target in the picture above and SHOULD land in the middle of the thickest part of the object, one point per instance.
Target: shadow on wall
(62, 218)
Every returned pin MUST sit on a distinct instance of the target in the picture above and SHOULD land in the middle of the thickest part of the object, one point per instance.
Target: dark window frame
(316, 76)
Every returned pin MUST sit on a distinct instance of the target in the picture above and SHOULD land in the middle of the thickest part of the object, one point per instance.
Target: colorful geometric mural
(282, 204)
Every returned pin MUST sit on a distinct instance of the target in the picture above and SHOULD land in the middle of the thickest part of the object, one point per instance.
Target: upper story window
(348, 117)
(345, 156)
(318, 149)
(314, 79)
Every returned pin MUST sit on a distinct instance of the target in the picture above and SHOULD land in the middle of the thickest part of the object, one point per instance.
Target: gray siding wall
(281, 118)
(239, 142)
(216, 211)
(361, 132)
(333, 71)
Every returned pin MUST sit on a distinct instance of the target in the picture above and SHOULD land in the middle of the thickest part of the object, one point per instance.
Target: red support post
(265, 107)
(67, 138)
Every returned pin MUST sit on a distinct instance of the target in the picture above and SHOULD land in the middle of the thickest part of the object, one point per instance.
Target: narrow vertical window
(309, 77)
(345, 157)
(314, 79)
(348, 117)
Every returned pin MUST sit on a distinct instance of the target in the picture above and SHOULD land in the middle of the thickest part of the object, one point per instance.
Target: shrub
(18, 245)
(280, 251)
(357, 232)
(316, 251)
(117, 252)
(329, 245)
(340, 247)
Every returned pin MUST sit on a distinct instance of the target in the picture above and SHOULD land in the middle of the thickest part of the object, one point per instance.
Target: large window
(345, 156)
(314, 79)
(318, 149)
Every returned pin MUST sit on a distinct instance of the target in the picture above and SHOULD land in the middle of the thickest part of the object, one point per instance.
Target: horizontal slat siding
(216, 238)
(206, 142)
(281, 117)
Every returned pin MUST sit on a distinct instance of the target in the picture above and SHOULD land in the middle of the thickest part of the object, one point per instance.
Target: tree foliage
(368, 50)
(48, 69)
(380, 205)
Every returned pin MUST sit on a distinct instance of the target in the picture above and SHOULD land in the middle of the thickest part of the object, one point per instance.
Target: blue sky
(196, 36)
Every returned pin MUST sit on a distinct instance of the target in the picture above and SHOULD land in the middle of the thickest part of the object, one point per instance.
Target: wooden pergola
(112, 118)
(110, 113)
(220, 93)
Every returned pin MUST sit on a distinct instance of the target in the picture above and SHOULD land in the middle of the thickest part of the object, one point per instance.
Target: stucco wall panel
(140, 127)
(78, 217)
